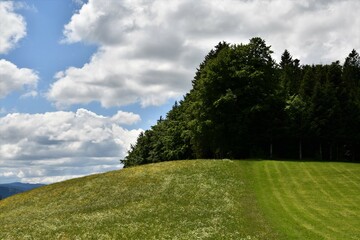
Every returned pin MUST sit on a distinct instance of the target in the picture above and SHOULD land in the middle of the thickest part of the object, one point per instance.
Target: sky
(79, 80)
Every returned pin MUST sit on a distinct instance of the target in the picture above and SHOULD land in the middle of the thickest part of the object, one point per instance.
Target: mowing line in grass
(312, 196)
(307, 220)
(338, 201)
(348, 211)
(279, 193)
(267, 197)
(324, 203)
(317, 185)
(330, 184)
(356, 183)
(323, 200)
(315, 216)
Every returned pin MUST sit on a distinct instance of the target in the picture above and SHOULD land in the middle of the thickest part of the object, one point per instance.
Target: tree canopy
(243, 104)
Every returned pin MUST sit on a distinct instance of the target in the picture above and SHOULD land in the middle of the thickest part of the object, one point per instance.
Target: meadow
(200, 199)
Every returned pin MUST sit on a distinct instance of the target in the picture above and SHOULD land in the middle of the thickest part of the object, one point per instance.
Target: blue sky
(42, 51)
(79, 80)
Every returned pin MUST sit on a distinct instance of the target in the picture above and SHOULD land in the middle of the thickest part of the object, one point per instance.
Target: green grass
(310, 200)
(203, 199)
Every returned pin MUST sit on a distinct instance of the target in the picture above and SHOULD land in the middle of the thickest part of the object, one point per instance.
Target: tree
(290, 74)
(296, 109)
(350, 102)
(234, 88)
(243, 104)
(323, 111)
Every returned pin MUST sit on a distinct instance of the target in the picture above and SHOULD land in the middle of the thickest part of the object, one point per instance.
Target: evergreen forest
(245, 105)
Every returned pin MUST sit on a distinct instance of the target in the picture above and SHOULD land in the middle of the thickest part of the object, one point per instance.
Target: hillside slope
(193, 199)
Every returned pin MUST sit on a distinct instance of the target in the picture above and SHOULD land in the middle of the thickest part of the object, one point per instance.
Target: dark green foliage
(243, 104)
(169, 139)
(290, 74)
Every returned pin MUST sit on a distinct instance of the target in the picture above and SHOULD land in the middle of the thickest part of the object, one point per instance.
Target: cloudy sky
(79, 80)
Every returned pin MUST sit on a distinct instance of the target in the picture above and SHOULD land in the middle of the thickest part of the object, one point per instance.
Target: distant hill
(9, 189)
(202, 199)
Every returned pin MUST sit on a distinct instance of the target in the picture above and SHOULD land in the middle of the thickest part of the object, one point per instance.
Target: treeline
(245, 105)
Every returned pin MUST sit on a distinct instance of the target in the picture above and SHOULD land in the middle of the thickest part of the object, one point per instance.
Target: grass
(310, 200)
(202, 199)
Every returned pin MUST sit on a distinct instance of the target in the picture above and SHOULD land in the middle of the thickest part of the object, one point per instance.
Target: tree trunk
(354, 152)
(300, 149)
(330, 153)
(320, 151)
(271, 150)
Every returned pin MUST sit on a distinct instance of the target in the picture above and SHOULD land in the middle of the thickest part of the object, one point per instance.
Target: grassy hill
(194, 199)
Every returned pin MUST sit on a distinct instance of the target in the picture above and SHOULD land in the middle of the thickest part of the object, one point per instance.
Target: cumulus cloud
(12, 29)
(13, 78)
(118, 83)
(60, 145)
(149, 50)
(12, 26)
(125, 118)
(78, 2)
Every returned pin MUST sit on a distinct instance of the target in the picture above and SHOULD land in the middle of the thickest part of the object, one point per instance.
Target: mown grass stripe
(325, 200)
(307, 221)
(301, 197)
(271, 198)
(331, 197)
(291, 213)
(337, 207)
(266, 198)
(341, 194)
(336, 186)
(334, 226)
(354, 180)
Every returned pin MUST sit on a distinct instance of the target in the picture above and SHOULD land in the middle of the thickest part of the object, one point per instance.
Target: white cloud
(103, 17)
(78, 2)
(12, 29)
(12, 26)
(13, 78)
(60, 145)
(125, 118)
(32, 94)
(149, 50)
(115, 81)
